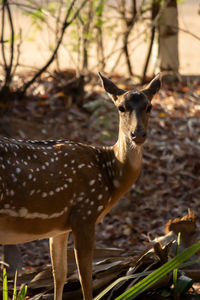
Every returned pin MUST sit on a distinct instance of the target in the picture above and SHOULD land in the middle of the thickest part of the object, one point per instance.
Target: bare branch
(185, 31)
(154, 11)
(66, 23)
(2, 36)
(18, 51)
(9, 69)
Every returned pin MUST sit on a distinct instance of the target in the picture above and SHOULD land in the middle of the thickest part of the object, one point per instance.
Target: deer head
(134, 109)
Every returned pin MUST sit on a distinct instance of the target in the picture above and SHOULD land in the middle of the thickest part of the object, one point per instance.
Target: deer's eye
(121, 108)
(149, 107)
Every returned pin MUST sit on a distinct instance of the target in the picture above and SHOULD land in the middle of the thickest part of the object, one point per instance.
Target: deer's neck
(126, 168)
(121, 167)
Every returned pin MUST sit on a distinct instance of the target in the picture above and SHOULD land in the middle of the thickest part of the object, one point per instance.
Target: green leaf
(183, 284)
(100, 8)
(5, 285)
(175, 271)
(189, 263)
(23, 293)
(52, 7)
(151, 279)
(15, 287)
(36, 16)
(124, 278)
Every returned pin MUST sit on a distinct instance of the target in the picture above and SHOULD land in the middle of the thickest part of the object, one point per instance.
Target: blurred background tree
(87, 36)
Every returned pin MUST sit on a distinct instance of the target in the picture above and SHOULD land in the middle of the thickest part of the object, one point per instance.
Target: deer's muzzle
(138, 136)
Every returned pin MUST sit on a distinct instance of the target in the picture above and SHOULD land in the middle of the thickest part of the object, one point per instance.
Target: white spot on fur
(23, 212)
(92, 182)
(18, 170)
(100, 208)
(44, 195)
(100, 197)
(116, 183)
(79, 199)
(12, 192)
(81, 166)
(32, 192)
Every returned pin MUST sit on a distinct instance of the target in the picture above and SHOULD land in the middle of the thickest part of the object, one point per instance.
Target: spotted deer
(49, 188)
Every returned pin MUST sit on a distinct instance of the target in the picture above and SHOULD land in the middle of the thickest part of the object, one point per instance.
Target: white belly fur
(8, 237)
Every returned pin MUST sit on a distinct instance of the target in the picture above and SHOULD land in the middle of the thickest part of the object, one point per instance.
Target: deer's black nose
(138, 136)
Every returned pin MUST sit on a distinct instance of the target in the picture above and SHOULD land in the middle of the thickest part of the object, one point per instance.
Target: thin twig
(184, 30)
(2, 36)
(58, 16)
(155, 10)
(18, 51)
(9, 69)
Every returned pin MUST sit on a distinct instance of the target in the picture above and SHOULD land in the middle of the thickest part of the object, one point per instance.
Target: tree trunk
(168, 38)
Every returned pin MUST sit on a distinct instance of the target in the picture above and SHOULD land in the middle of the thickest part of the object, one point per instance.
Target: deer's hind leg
(58, 252)
(83, 247)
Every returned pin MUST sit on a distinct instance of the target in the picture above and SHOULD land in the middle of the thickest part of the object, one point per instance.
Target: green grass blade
(151, 279)
(15, 287)
(113, 284)
(175, 271)
(5, 285)
(23, 293)
(189, 263)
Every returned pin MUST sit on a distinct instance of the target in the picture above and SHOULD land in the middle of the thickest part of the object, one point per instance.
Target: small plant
(155, 276)
(182, 283)
(22, 292)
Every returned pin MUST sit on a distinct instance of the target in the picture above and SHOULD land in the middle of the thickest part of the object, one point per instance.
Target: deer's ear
(153, 87)
(111, 88)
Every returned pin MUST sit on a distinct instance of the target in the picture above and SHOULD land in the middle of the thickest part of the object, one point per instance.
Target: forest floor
(169, 182)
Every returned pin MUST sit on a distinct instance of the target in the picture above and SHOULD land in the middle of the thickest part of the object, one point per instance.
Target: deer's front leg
(83, 247)
(58, 251)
